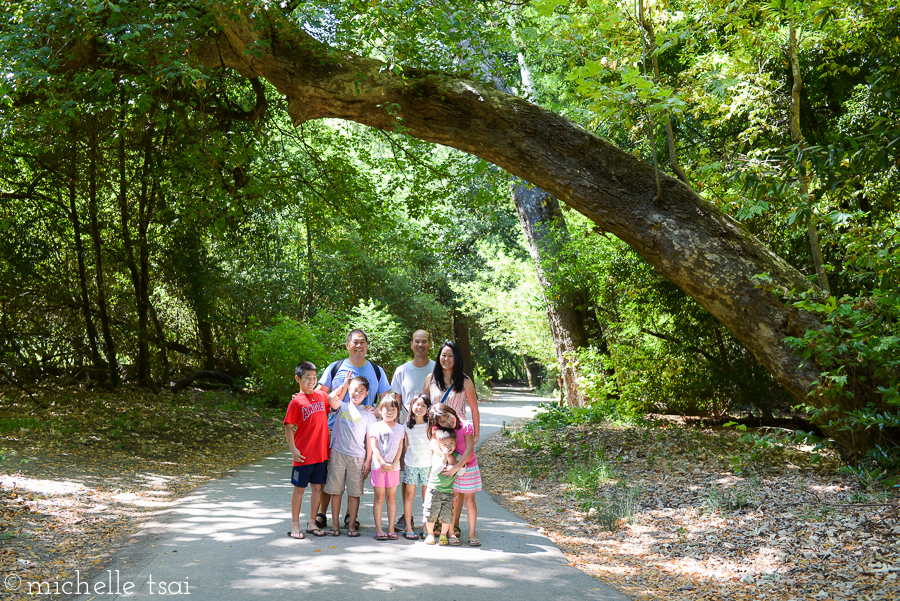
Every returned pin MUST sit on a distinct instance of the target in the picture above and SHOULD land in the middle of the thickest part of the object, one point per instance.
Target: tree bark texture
(687, 239)
(461, 336)
(537, 212)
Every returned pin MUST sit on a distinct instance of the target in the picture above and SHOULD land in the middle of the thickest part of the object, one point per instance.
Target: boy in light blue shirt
(350, 459)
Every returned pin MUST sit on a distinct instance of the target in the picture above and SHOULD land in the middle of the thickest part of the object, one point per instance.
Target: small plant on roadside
(763, 446)
(859, 498)
(524, 485)
(585, 480)
(712, 502)
(738, 500)
(868, 478)
(617, 507)
(14, 424)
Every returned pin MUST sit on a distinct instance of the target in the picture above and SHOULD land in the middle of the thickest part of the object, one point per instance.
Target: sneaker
(429, 540)
(401, 523)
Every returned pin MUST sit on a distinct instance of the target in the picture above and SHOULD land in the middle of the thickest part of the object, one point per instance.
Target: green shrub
(859, 346)
(276, 350)
(618, 505)
(388, 339)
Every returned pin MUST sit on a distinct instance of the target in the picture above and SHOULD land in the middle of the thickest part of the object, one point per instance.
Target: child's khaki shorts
(344, 469)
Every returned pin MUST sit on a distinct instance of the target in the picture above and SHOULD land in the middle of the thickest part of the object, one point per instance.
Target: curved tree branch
(687, 239)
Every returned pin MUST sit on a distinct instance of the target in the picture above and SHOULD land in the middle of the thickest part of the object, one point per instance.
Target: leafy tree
(724, 89)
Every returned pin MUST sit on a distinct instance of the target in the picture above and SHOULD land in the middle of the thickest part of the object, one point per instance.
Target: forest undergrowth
(81, 470)
(670, 511)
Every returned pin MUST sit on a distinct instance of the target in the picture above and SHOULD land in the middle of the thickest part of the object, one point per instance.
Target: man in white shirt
(409, 379)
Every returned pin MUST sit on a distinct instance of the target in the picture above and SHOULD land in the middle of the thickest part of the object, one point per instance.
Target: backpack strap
(335, 367)
(379, 372)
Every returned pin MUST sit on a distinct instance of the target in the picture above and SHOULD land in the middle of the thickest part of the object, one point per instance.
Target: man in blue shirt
(354, 365)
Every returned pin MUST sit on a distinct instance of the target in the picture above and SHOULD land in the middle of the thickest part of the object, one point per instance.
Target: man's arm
(326, 377)
(384, 385)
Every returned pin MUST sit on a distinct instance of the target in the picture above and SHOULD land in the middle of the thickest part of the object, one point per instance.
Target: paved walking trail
(227, 541)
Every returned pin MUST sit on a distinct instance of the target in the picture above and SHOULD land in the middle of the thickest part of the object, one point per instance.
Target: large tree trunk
(686, 238)
(461, 335)
(537, 212)
(207, 344)
(139, 274)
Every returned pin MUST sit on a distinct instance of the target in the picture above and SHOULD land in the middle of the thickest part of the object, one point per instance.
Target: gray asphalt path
(228, 541)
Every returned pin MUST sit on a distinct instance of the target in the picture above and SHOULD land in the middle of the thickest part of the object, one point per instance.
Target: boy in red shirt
(306, 431)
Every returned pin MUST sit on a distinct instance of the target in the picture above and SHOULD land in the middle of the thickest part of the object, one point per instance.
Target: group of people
(350, 423)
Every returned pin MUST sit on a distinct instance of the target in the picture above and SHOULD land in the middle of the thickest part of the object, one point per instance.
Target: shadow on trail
(229, 541)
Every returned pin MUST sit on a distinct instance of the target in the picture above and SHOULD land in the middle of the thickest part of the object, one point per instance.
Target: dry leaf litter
(85, 469)
(780, 528)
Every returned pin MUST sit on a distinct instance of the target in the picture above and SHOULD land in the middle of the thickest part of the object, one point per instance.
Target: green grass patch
(14, 424)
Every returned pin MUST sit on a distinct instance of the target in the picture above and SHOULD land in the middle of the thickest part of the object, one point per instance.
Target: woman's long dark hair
(459, 377)
(437, 411)
(411, 420)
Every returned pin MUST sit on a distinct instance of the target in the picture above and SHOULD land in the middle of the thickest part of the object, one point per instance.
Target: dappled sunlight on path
(228, 539)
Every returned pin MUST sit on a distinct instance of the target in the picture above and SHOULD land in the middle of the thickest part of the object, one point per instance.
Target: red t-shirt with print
(310, 414)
